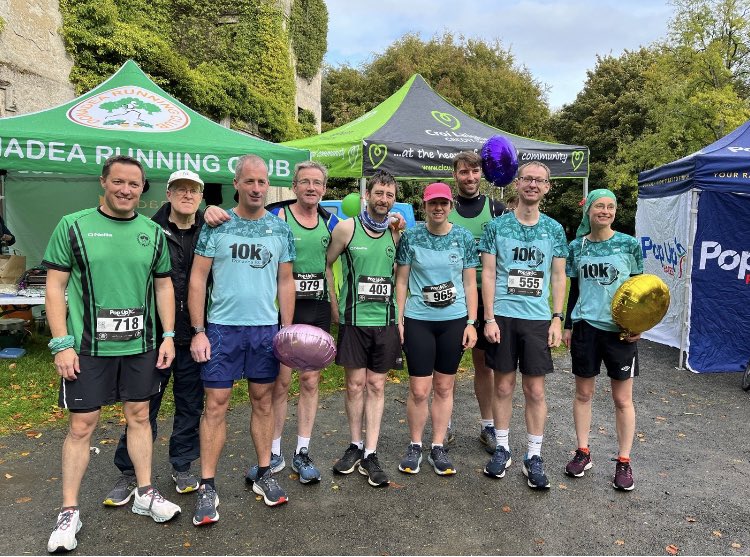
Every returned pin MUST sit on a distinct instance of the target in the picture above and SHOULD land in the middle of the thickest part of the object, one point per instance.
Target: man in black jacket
(181, 221)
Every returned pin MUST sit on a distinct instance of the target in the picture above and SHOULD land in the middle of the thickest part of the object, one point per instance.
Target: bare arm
(402, 286)
(285, 293)
(489, 274)
(66, 362)
(165, 307)
(557, 282)
(469, 277)
(200, 348)
(340, 236)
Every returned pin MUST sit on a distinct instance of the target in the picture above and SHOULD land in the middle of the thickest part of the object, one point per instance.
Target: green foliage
(308, 29)
(307, 123)
(220, 57)
(480, 78)
(2, 24)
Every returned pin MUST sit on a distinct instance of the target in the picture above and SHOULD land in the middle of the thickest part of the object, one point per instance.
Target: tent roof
(724, 165)
(415, 133)
(131, 115)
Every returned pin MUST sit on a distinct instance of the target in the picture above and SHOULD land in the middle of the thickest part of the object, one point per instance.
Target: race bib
(439, 295)
(525, 282)
(309, 285)
(374, 289)
(119, 324)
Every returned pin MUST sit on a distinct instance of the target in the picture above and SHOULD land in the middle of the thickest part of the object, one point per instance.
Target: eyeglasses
(182, 191)
(306, 182)
(530, 180)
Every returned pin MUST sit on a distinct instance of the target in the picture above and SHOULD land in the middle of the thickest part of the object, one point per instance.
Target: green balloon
(351, 205)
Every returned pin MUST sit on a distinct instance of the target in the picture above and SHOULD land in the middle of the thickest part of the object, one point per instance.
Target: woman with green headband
(599, 261)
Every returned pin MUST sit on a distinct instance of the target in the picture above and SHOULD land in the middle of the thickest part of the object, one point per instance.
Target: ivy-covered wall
(220, 57)
(308, 27)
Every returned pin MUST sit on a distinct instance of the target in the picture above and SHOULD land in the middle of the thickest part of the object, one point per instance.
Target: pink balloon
(304, 347)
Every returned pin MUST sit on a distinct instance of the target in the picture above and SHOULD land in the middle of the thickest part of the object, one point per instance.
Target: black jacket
(181, 264)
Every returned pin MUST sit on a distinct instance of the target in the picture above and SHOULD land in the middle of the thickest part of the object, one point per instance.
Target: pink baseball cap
(438, 190)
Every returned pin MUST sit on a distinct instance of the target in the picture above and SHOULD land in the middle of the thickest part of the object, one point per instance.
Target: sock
(450, 423)
(488, 423)
(585, 450)
(417, 443)
(302, 442)
(143, 490)
(437, 445)
(69, 508)
(262, 471)
(534, 447)
(360, 444)
(276, 446)
(208, 481)
(624, 459)
(502, 438)
(368, 452)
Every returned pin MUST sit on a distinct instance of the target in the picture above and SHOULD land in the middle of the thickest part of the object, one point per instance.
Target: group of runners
(202, 302)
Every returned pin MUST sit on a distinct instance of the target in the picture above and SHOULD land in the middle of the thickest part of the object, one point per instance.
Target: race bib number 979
(309, 285)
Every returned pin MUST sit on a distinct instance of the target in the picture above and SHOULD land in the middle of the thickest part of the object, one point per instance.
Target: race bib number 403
(374, 289)
(525, 282)
(119, 324)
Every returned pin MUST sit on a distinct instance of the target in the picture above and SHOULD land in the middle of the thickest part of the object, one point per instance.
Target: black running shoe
(533, 469)
(370, 467)
(347, 463)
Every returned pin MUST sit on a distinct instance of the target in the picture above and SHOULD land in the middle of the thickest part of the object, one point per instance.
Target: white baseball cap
(188, 175)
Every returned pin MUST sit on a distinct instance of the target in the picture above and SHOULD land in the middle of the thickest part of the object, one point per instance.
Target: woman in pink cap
(436, 293)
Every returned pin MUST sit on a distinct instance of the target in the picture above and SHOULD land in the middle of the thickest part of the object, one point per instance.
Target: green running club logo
(446, 119)
(377, 153)
(129, 108)
(576, 159)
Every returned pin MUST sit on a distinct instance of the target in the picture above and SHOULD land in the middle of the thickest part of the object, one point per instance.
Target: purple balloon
(499, 160)
(304, 347)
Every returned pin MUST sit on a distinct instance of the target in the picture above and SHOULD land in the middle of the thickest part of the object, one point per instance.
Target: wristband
(167, 334)
(58, 344)
(471, 321)
(486, 321)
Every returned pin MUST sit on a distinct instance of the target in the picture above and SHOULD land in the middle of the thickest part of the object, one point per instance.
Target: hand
(492, 332)
(6, 238)
(397, 221)
(166, 353)
(215, 215)
(554, 334)
(470, 336)
(566, 336)
(67, 365)
(200, 348)
(401, 332)
(632, 338)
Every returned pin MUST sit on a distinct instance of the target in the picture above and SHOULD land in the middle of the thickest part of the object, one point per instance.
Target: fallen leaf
(672, 549)
(36, 395)
(16, 387)
(23, 499)
(736, 545)
(8, 476)
(661, 418)
(619, 542)
(506, 509)
(186, 544)
(25, 453)
(680, 435)
(563, 486)
(402, 421)
(33, 434)
(294, 476)
(12, 366)
(690, 518)
(394, 485)
(395, 380)
(258, 497)
(716, 533)
(539, 541)
(107, 441)
(334, 487)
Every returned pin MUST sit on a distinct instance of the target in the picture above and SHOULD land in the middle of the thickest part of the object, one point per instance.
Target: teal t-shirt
(523, 264)
(601, 267)
(112, 264)
(246, 256)
(436, 287)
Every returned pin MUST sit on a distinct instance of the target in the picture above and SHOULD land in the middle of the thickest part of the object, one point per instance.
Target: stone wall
(34, 66)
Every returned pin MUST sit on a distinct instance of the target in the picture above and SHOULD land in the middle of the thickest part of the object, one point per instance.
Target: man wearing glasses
(523, 258)
(181, 221)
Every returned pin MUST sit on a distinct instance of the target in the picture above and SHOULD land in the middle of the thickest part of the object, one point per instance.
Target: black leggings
(433, 345)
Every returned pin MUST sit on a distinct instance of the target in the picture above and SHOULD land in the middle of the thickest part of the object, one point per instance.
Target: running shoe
(303, 465)
(440, 462)
(488, 438)
(346, 464)
(153, 504)
(270, 490)
(205, 506)
(277, 465)
(123, 490)
(499, 462)
(623, 478)
(185, 482)
(412, 459)
(63, 537)
(533, 469)
(580, 463)
(370, 467)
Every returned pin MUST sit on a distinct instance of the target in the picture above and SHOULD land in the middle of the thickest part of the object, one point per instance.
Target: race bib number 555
(525, 282)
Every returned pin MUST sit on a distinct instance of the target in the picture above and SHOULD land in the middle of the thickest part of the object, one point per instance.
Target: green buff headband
(585, 226)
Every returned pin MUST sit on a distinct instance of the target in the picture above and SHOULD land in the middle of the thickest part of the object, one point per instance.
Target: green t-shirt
(366, 298)
(112, 264)
(309, 268)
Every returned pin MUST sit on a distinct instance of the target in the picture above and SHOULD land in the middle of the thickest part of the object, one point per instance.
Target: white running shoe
(153, 504)
(63, 537)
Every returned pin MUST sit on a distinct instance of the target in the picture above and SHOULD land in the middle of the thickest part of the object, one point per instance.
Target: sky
(557, 41)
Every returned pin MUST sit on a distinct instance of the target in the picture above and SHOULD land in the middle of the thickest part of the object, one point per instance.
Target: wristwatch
(196, 330)
(560, 315)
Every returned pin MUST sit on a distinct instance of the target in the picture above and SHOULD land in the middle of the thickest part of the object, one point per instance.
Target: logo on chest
(255, 255)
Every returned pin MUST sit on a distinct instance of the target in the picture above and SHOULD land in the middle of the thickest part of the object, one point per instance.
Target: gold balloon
(640, 303)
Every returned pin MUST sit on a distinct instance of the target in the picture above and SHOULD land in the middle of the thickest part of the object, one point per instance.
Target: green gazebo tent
(51, 160)
(415, 133)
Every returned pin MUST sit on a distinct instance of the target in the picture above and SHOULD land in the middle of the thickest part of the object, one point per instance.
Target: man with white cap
(181, 221)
